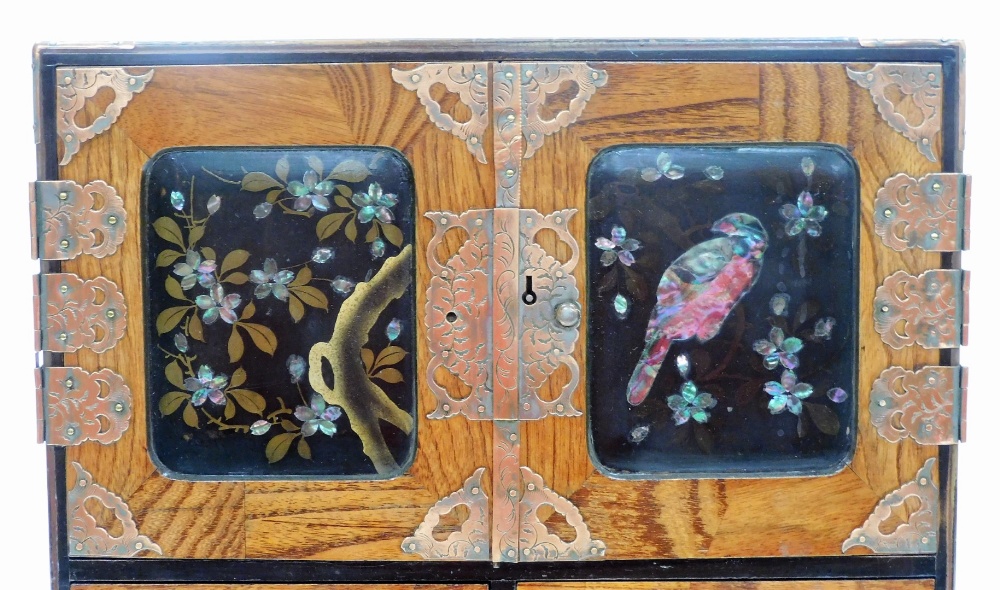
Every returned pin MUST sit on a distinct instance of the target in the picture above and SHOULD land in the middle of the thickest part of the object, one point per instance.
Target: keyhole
(529, 296)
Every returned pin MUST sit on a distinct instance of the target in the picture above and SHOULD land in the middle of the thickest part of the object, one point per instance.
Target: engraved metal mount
(86, 537)
(536, 542)
(919, 84)
(472, 541)
(75, 86)
(539, 81)
(927, 405)
(931, 310)
(75, 219)
(71, 313)
(931, 213)
(918, 534)
(469, 82)
(501, 278)
(78, 406)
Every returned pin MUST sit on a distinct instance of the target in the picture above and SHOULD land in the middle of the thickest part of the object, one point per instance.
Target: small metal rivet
(481, 409)
(63, 336)
(931, 380)
(528, 73)
(595, 75)
(68, 138)
(526, 406)
(79, 546)
(113, 220)
(509, 75)
(68, 80)
(513, 436)
(936, 185)
(131, 81)
(446, 408)
(533, 136)
(885, 309)
(560, 407)
(925, 141)
(923, 481)
(444, 221)
(531, 487)
(558, 219)
(887, 213)
(479, 76)
(110, 313)
(477, 549)
(881, 403)
(473, 140)
(862, 539)
(593, 550)
(444, 274)
(510, 172)
(119, 407)
(527, 551)
(567, 313)
(475, 491)
(64, 244)
(413, 546)
(559, 274)
(83, 483)
(510, 553)
(69, 384)
(556, 351)
(529, 221)
(928, 427)
(64, 289)
(870, 76)
(444, 354)
(511, 117)
(931, 77)
(479, 222)
(63, 196)
(513, 493)
(415, 77)
(935, 235)
(138, 545)
(70, 431)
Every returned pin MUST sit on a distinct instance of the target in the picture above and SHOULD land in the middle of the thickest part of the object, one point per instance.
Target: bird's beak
(724, 226)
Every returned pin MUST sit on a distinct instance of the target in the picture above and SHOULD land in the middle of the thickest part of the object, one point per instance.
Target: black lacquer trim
(94, 570)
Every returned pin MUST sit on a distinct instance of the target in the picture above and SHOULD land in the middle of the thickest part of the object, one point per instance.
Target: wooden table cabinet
(553, 315)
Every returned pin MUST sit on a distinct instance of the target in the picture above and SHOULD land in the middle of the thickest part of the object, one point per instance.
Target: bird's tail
(646, 370)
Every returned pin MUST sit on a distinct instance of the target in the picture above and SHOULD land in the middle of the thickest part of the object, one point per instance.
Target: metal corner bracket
(86, 537)
(919, 534)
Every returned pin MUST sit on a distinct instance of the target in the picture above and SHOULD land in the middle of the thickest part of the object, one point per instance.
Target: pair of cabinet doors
(570, 315)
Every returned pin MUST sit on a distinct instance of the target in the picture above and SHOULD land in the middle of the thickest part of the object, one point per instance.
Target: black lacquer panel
(722, 336)
(252, 257)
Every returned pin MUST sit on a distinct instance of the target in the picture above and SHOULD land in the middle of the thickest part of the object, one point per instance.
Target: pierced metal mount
(74, 86)
(537, 543)
(930, 213)
(502, 314)
(472, 542)
(921, 84)
(918, 534)
(931, 310)
(927, 405)
(86, 537)
(71, 313)
(68, 219)
(77, 406)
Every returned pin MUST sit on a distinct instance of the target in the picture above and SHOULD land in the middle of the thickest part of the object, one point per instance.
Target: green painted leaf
(372, 233)
(349, 171)
(295, 308)
(390, 356)
(168, 257)
(175, 375)
(304, 451)
(278, 446)
(367, 357)
(235, 346)
(170, 317)
(174, 289)
(250, 401)
(229, 411)
(195, 328)
(191, 416)
(351, 231)
(305, 275)
(262, 336)
(824, 418)
(316, 164)
(233, 260)
(393, 234)
(311, 296)
(329, 224)
(196, 234)
(389, 375)
(281, 169)
(258, 181)
(236, 278)
(168, 229)
(239, 377)
(208, 253)
(346, 192)
(172, 401)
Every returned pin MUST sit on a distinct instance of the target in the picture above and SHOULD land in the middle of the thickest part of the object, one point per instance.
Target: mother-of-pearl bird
(698, 291)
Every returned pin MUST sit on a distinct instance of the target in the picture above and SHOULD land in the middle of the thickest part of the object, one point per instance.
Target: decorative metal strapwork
(931, 310)
(930, 213)
(78, 406)
(71, 313)
(75, 86)
(75, 219)
(537, 543)
(501, 276)
(927, 405)
(916, 535)
(472, 541)
(918, 87)
(86, 537)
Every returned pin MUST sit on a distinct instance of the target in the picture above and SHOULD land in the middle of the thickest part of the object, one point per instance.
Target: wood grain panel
(728, 518)
(796, 585)
(281, 587)
(276, 105)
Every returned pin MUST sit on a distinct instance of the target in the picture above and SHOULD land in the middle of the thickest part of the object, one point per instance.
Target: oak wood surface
(281, 587)
(360, 104)
(790, 585)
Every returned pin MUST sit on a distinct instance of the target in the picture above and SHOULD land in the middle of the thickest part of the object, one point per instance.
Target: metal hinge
(68, 219)
(930, 213)
(71, 313)
(931, 310)
(76, 406)
(927, 405)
